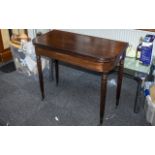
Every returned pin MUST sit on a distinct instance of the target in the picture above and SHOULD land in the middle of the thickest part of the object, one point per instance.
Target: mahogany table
(92, 53)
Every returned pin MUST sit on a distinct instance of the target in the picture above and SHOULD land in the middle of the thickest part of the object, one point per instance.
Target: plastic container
(25, 60)
(150, 113)
(150, 105)
(146, 49)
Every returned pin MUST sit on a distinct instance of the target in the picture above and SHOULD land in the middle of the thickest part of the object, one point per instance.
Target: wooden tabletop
(99, 49)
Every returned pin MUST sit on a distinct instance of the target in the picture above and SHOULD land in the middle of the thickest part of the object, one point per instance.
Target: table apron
(78, 61)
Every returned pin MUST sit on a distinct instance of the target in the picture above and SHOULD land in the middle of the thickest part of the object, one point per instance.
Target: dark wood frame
(1, 42)
(103, 65)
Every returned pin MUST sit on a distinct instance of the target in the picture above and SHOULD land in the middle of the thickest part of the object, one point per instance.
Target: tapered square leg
(103, 96)
(57, 71)
(39, 65)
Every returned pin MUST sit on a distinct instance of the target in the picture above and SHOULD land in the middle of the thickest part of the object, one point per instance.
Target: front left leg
(39, 65)
(103, 96)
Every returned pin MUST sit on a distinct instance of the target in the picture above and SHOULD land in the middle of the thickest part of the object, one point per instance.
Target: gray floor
(74, 102)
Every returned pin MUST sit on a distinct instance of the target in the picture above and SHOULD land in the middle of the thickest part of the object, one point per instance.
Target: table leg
(103, 96)
(51, 69)
(40, 76)
(57, 71)
(119, 80)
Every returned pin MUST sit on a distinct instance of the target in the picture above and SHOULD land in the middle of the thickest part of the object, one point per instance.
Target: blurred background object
(5, 37)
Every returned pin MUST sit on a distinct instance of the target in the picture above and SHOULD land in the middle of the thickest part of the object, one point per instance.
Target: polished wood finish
(6, 55)
(92, 53)
(103, 96)
(92, 48)
(57, 71)
(1, 43)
